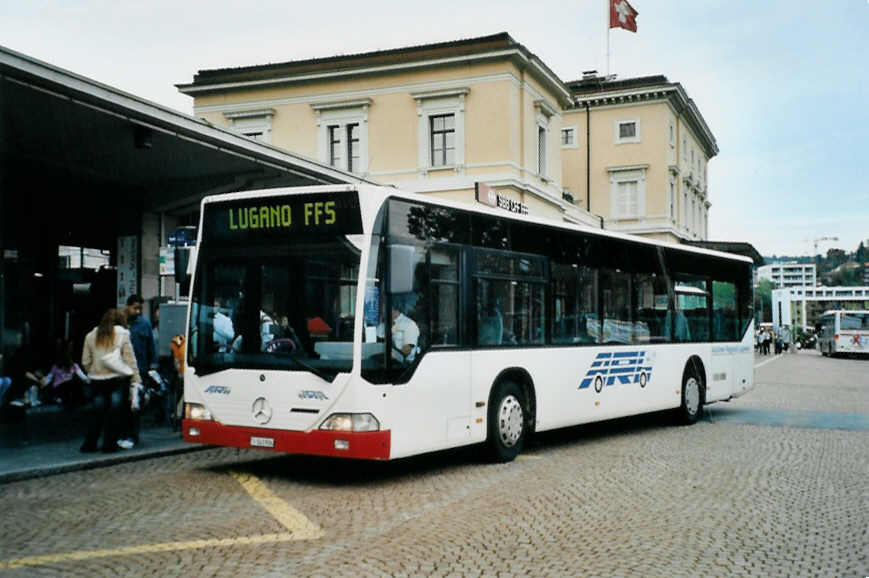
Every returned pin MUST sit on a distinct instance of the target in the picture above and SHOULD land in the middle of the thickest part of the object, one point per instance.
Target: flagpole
(606, 21)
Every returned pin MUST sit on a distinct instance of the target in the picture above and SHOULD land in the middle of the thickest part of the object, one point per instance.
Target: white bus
(844, 332)
(361, 322)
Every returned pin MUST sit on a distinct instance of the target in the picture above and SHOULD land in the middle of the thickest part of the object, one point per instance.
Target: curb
(109, 460)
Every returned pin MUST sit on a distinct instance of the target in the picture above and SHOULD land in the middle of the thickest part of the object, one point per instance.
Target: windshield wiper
(318, 372)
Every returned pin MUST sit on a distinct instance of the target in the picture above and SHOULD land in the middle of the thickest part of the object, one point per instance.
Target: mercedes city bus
(844, 333)
(362, 322)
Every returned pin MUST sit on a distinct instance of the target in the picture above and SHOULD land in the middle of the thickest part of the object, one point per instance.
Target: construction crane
(818, 240)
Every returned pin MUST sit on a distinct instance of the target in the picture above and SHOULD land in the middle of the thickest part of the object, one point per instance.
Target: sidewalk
(36, 455)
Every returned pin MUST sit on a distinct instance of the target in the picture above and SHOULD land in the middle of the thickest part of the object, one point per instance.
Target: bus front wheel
(507, 414)
(689, 410)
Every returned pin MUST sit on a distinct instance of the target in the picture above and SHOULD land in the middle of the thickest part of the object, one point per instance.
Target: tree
(763, 301)
(861, 255)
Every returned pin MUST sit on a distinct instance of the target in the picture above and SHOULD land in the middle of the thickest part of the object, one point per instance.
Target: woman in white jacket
(110, 379)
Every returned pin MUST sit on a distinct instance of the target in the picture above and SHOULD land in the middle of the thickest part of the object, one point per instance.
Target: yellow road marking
(144, 549)
(300, 528)
(528, 457)
(294, 521)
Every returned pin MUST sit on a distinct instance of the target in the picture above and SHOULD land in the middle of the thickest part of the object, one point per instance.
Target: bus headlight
(355, 422)
(197, 411)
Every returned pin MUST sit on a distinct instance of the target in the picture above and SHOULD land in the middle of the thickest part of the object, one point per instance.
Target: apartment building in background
(803, 306)
(439, 118)
(789, 274)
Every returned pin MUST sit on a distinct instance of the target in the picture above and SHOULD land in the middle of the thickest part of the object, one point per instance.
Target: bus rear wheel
(507, 416)
(692, 395)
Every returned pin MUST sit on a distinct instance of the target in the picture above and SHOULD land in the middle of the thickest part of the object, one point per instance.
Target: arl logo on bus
(621, 367)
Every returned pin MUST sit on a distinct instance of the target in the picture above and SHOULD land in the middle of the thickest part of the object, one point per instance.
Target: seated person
(224, 331)
(64, 381)
(405, 337)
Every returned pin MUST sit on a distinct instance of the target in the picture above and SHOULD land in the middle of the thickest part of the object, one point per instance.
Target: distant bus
(844, 332)
(362, 322)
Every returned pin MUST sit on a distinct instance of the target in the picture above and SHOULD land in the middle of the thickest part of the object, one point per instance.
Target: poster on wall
(128, 268)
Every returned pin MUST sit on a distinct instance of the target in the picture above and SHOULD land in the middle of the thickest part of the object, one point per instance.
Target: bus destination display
(273, 217)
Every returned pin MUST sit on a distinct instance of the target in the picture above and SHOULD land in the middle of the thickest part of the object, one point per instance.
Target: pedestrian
(764, 341)
(109, 360)
(142, 339)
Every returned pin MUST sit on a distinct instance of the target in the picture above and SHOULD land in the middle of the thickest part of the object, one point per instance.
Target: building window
(443, 139)
(685, 209)
(254, 124)
(628, 193)
(627, 201)
(343, 134)
(672, 134)
(441, 128)
(334, 133)
(568, 137)
(684, 148)
(627, 131)
(352, 147)
(671, 201)
(541, 151)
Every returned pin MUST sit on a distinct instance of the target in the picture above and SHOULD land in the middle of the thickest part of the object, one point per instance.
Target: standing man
(142, 338)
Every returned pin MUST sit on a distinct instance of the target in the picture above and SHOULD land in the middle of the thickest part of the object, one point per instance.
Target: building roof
(597, 84)
(500, 45)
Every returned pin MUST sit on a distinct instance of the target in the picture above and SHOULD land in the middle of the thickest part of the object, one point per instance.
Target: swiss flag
(623, 15)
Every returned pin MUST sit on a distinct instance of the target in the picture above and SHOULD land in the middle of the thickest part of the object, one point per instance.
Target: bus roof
(388, 191)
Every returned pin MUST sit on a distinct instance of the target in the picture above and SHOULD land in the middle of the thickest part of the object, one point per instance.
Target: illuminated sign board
(489, 196)
(263, 218)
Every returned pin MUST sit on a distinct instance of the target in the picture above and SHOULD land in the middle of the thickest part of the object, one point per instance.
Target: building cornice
(518, 55)
(256, 113)
(339, 104)
(673, 93)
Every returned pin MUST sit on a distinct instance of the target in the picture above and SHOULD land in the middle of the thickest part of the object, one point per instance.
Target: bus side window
(444, 295)
(725, 320)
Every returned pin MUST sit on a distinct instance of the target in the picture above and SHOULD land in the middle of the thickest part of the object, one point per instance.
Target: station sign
(489, 196)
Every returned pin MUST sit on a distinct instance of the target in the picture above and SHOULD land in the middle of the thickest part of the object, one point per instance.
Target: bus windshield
(275, 301)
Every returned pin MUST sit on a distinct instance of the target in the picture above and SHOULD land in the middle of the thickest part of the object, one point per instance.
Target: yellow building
(438, 118)
(648, 148)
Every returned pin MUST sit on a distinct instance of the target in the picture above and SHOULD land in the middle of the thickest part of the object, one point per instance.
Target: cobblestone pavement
(634, 497)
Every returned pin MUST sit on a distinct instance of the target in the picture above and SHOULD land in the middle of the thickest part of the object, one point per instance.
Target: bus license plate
(262, 442)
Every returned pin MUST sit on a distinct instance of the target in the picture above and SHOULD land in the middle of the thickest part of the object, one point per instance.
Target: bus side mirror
(401, 264)
(185, 258)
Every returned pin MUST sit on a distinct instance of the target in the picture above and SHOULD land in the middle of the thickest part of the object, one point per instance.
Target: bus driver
(405, 336)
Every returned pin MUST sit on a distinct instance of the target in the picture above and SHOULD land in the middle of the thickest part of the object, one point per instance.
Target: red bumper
(362, 445)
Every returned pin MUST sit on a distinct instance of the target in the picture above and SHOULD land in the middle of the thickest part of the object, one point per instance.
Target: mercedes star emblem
(262, 411)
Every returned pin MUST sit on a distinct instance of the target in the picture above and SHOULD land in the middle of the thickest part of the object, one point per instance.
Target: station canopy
(72, 149)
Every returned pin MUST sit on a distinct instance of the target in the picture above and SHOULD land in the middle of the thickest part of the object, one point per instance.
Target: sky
(781, 84)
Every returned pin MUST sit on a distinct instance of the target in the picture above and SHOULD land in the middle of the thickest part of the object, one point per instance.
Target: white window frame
(342, 114)
(684, 215)
(545, 112)
(574, 128)
(633, 139)
(671, 200)
(247, 122)
(437, 103)
(672, 134)
(625, 175)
